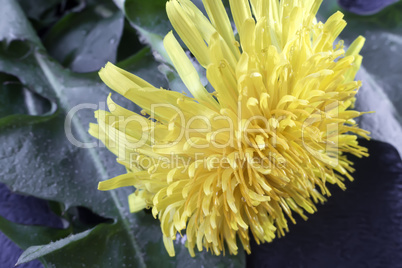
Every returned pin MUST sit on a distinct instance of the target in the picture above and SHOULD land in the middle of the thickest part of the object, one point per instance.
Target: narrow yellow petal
(188, 32)
(168, 242)
(120, 80)
(227, 95)
(203, 25)
(334, 25)
(124, 180)
(356, 46)
(158, 103)
(260, 8)
(220, 20)
(241, 12)
(247, 38)
(187, 71)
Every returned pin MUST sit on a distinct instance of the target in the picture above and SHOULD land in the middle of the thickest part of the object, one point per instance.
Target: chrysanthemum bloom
(239, 161)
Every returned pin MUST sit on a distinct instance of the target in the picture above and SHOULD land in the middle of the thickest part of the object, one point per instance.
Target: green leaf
(25, 235)
(108, 246)
(129, 42)
(149, 15)
(36, 252)
(35, 9)
(85, 41)
(19, 105)
(40, 159)
(11, 96)
(12, 15)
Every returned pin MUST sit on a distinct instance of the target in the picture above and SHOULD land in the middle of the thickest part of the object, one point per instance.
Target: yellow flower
(263, 145)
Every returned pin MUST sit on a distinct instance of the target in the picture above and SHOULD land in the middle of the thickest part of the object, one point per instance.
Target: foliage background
(50, 52)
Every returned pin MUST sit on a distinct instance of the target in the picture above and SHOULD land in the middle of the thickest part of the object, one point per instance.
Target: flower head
(239, 161)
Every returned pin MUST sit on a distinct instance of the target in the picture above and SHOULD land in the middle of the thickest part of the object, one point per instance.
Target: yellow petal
(124, 180)
(136, 202)
(219, 18)
(187, 71)
(241, 12)
(120, 80)
(187, 31)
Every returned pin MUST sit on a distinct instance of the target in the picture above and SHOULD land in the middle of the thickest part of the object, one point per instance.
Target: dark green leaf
(25, 235)
(14, 25)
(19, 105)
(11, 96)
(36, 8)
(129, 42)
(87, 40)
(149, 15)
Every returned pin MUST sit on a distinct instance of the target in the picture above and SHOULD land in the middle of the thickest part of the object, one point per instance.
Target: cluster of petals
(259, 147)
